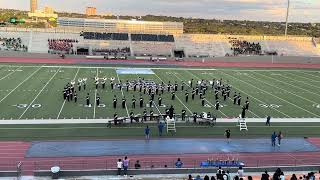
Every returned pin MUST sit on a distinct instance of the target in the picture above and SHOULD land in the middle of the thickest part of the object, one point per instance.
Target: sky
(258, 10)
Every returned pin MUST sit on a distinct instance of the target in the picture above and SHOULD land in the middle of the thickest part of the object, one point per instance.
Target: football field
(36, 92)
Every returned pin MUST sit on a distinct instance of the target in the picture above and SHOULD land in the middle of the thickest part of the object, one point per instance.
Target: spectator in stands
(125, 165)
(206, 177)
(265, 175)
(276, 175)
(293, 177)
(190, 177)
(228, 175)
(137, 165)
(236, 178)
(213, 178)
(198, 178)
(179, 163)
(250, 178)
(119, 166)
(282, 177)
(240, 172)
(219, 173)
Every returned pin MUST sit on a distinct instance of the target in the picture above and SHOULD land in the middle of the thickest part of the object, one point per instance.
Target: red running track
(13, 152)
(181, 63)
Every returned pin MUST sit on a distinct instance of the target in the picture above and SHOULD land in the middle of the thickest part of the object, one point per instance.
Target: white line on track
(204, 98)
(281, 88)
(275, 96)
(64, 102)
(291, 86)
(39, 93)
(176, 96)
(21, 84)
(10, 73)
(122, 94)
(95, 97)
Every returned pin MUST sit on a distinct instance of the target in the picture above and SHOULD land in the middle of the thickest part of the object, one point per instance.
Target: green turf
(295, 92)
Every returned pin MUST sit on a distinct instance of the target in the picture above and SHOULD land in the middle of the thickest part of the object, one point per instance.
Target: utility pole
(286, 31)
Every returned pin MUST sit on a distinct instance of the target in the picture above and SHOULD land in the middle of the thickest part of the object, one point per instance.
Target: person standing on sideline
(273, 139)
(125, 165)
(228, 134)
(147, 132)
(279, 136)
(160, 127)
(119, 166)
(268, 121)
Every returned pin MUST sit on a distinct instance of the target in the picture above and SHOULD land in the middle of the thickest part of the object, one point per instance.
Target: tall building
(91, 11)
(33, 5)
(48, 10)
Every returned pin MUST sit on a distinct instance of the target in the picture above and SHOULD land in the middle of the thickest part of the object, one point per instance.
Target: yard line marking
(228, 97)
(275, 96)
(176, 96)
(95, 97)
(310, 74)
(20, 84)
(289, 85)
(302, 81)
(39, 93)
(10, 73)
(204, 98)
(281, 88)
(257, 98)
(122, 94)
(64, 102)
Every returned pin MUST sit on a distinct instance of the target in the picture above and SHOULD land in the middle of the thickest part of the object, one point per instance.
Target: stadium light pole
(287, 17)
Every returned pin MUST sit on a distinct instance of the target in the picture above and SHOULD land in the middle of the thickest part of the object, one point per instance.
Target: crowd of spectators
(240, 47)
(13, 44)
(105, 36)
(112, 52)
(61, 45)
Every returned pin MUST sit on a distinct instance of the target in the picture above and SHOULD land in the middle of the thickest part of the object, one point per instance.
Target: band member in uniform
(145, 115)
(150, 102)
(182, 85)
(123, 102)
(144, 89)
(235, 96)
(127, 85)
(131, 117)
(135, 87)
(247, 103)
(175, 87)
(239, 99)
(197, 90)
(115, 119)
(162, 89)
(75, 97)
(71, 96)
(191, 83)
(173, 95)
(243, 113)
(68, 96)
(133, 102)
(103, 84)
(88, 100)
(195, 115)
(224, 96)
(168, 86)
(97, 83)
(151, 115)
(157, 89)
(98, 100)
(217, 105)
(183, 115)
(193, 94)
(171, 112)
(141, 102)
(115, 102)
(187, 96)
(160, 101)
(79, 86)
(200, 95)
(167, 113)
(202, 101)
(84, 85)
(216, 92)
(152, 95)
(112, 84)
(65, 94)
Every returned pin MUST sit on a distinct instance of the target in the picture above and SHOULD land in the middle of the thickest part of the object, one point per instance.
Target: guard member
(150, 102)
(235, 96)
(145, 115)
(243, 113)
(103, 84)
(202, 101)
(182, 85)
(239, 99)
(75, 97)
(175, 87)
(224, 96)
(193, 94)
(112, 85)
